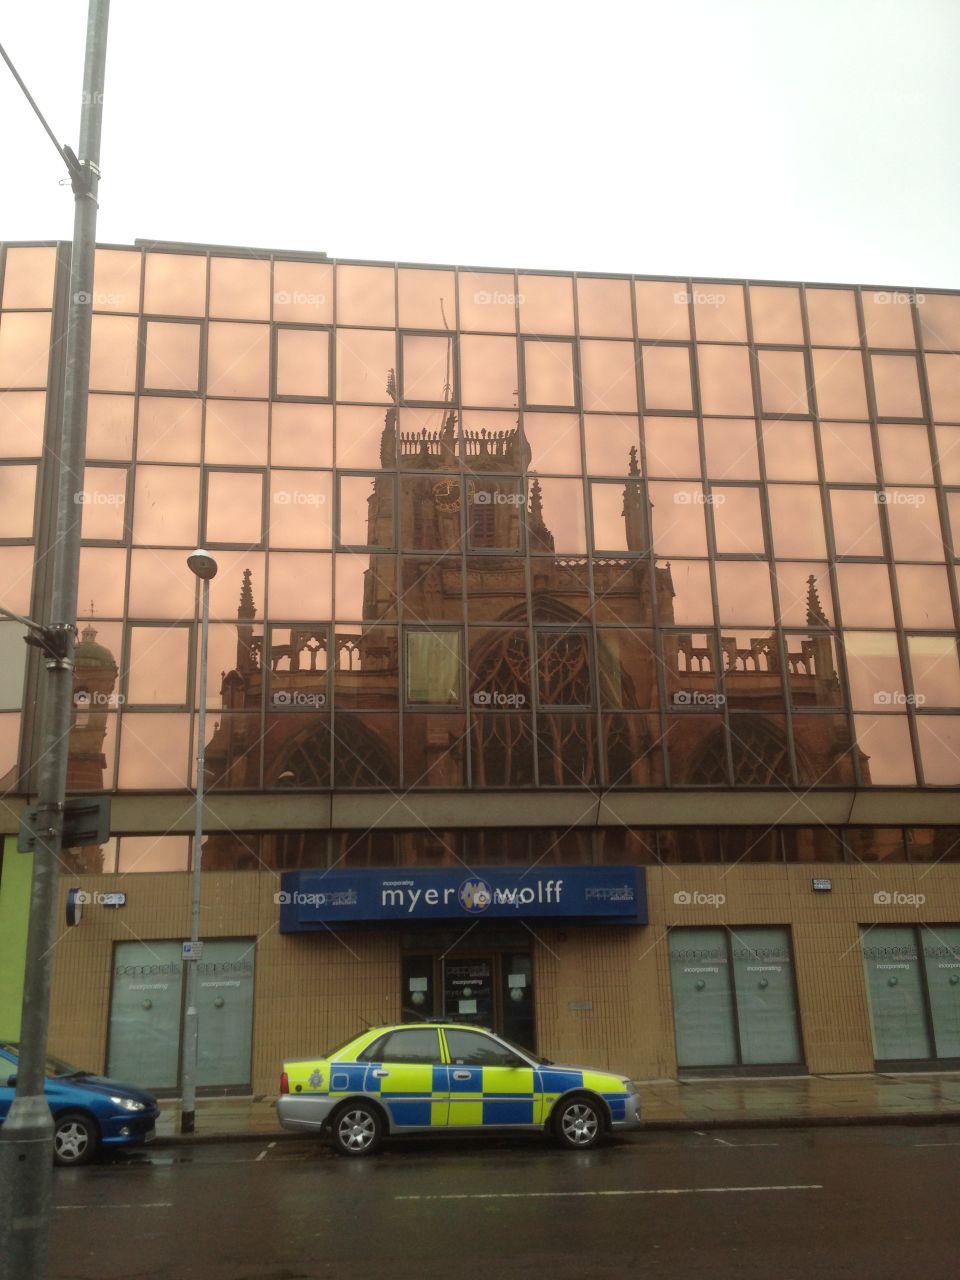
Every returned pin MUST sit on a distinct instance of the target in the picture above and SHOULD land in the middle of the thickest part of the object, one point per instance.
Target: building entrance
(491, 988)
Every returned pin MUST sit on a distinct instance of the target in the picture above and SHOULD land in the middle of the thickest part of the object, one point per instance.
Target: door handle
(379, 1073)
(461, 1075)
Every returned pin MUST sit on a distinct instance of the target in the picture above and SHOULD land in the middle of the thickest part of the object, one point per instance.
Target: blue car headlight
(129, 1104)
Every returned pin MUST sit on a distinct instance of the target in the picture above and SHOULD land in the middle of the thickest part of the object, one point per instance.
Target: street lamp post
(204, 566)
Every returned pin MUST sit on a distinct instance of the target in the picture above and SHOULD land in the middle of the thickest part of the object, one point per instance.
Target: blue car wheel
(75, 1139)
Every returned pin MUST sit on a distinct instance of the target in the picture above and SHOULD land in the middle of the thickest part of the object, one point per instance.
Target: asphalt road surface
(771, 1204)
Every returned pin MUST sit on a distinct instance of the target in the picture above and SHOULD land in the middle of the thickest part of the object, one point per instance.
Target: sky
(771, 139)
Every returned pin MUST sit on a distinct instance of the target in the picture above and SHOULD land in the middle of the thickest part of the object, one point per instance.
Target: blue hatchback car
(89, 1112)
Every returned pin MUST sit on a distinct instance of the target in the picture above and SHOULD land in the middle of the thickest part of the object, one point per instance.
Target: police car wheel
(579, 1124)
(357, 1129)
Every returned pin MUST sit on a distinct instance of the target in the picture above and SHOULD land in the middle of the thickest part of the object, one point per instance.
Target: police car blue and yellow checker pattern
(447, 1092)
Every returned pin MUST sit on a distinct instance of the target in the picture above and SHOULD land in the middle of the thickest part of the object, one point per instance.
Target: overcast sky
(788, 139)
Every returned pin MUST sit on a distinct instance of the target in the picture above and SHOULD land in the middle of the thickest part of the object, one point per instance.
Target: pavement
(791, 1204)
(787, 1101)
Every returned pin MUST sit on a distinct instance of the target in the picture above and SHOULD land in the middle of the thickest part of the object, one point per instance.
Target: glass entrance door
(493, 989)
(468, 991)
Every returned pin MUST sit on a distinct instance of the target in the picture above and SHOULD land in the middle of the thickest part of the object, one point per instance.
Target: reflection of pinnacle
(634, 464)
(536, 503)
(392, 385)
(247, 608)
(815, 614)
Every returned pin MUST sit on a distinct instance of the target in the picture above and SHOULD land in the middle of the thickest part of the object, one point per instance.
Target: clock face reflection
(446, 494)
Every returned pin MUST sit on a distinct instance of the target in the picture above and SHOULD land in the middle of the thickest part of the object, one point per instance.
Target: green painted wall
(15, 877)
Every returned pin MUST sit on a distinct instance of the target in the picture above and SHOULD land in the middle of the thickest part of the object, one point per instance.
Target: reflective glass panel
(427, 299)
(28, 276)
(488, 371)
(888, 318)
(789, 450)
(856, 522)
(17, 493)
(885, 741)
(737, 519)
(487, 302)
(168, 428)
(806, 596)
(940, 321)
(157, 661)
(783, 381)
(104, 502)
(718, 312)
(236, 431)
(609, 441)
(939, 738)
(608, 376)
(21, 424)
(554, 442)
(832, 315)
(555, 519)
(235, 506)
(303, 362)
(935, 669)
(366, 510)
(239, 289)
(238, 360)
(303, 291)
(365, 295)
(166, 506)
(300, 435)
(905, 454)
(896, 386)
(663, 309)
(175, 284)
(679, 527)
(725, 386)
(924, 595)
(775, 314)
(428, 369)
(153, 751)
(548, 372)
(116, 280)
(603, 307)
(113, 352)
(847, 451)
(546, 304)
(366, 363)
(731, 449)
(301, 508)
(743, 593)
(943, 376)
(666, 377)
(914, 524)
(839, 383)
(865, 595)
(301, 585)
(172, 356)
(433, 667)
(873, 669)
(672, 447)
(796, 520)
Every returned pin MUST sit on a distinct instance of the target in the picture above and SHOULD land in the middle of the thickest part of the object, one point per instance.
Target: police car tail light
(284, 1082)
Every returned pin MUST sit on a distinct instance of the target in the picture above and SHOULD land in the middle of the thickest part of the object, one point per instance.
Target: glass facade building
(513, 566)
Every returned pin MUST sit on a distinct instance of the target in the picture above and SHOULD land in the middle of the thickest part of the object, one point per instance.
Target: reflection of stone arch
(759, 750)
(362, 758)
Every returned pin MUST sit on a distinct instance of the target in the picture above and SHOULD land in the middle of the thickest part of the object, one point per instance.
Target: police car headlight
(128, 1104)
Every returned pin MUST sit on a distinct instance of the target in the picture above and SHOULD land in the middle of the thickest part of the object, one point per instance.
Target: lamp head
(202, 564)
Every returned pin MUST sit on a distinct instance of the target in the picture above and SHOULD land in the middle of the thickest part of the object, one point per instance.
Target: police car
(447, 1076)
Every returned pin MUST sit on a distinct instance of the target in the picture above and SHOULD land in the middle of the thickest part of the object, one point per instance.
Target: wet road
(878, 1203)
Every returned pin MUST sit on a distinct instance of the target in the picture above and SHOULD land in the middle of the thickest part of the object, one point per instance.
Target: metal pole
(191, 1028)
(26, 1137)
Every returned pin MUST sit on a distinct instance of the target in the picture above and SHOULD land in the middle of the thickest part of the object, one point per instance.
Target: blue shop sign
(591, 895)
